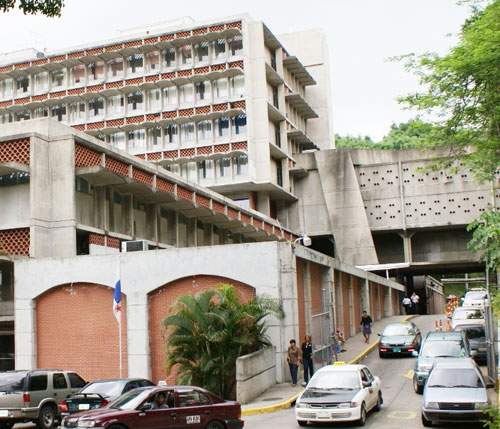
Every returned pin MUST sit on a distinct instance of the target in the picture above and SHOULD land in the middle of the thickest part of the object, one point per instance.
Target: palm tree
(210, 331)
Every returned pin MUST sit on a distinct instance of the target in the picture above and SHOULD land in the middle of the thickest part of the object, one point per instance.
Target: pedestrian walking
(307, 358)
(415, 299)
(366, 325)
(293, 359)
(407, 304)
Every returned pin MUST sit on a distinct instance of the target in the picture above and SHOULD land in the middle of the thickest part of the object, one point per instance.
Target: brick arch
(160, 306)
(76, 329)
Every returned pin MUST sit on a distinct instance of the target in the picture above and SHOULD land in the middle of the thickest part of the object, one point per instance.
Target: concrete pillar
(172, 228)
(152, 222)
(406, 236)
(388, 309)
(307, 298)
(128, 214)
(264, 203)
(100, 212)
(352, 322)
(365, 296)
(191, 232)
(112, 221)
(25, 333)
(207, 234)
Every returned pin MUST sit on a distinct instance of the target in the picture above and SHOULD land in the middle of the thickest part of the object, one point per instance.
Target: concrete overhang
(13, 167)
(274, 114)
(97, 176)
(298, 103)
(277, 152)
(298, 70)
(272, 76)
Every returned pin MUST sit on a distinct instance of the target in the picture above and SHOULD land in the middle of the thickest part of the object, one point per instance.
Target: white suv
(476, 297)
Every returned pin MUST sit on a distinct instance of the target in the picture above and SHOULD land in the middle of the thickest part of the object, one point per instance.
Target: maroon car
(179, 407)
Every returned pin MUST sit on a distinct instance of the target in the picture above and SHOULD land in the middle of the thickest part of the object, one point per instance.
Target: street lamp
(306, 240)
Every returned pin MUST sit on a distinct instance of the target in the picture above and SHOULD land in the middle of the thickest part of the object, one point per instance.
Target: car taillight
(383, 350)
(104, 402)
(239, 413)
(26, 397)
(63, 406)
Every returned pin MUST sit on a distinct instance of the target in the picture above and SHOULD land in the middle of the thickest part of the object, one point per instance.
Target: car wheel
(425, 422)
(378, 405)
(362, 416)
(214, 424)
(46, 418)
(302, 422)
(417, 387)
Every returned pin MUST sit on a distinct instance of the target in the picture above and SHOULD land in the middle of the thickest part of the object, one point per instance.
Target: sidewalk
(282, 396)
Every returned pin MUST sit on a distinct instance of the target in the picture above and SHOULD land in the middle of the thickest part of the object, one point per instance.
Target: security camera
(306, 241)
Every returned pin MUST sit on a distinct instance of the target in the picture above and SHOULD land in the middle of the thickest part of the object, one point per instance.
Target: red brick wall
(300, 297)
(316, 286)
(381, 291)
(160, 306)
(345, 301)
(76, 329)
(373, 301)
(356, 304)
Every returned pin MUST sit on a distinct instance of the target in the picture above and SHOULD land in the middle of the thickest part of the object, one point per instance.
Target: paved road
(401, 407)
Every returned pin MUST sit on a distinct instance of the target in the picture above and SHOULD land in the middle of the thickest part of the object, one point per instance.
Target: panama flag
(117, 299)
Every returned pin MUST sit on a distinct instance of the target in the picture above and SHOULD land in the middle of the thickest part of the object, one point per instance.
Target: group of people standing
(304, 355)
(411, 304)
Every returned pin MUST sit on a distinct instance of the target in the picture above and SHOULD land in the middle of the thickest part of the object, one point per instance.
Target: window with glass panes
(96, 107)
(185, 55)
(223, 167)
(220, 88)
(204, 129)
(6, 118)
(221, 128)
(154, 100)
(135, 101)
(117, 140)
(170, 96)
(41, 112)
(115, 104)
(235, 45)
(188, 171)
(58, 77)
(6, 88)
(23, 115)
(201, 51)
(240, 165)
(95, 71)
(181, 230)
(239, 125)
(205, 169)
(59, 112)
(22, 84)
(135, 64)
(187, 133)
(115, 67)
(153, 61)
(41, 82)
(186, 94)
(136, 139)
(201, 89)
(218, 49)
(168, 57)
(77, 74)
(154, 136)
(170, 134)
(77, 111)
(237, 86)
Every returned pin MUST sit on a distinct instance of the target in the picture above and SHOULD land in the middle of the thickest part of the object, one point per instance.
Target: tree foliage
(210, 330)
(485, 233)
(50, 8)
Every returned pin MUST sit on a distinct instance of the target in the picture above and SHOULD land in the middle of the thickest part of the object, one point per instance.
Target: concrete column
(207, 234)
(152, 222)
(264, 203)
(112, 222)
(307, 298)
(388, 309)
(352, 322)
(100, 215)
(128, 214)
(25, 333)
(172, 228)
(365, 296)
(191, 232)
(406, 236)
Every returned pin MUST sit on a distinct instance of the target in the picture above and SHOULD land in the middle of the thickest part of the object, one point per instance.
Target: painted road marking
(402, 415)
(409, 374)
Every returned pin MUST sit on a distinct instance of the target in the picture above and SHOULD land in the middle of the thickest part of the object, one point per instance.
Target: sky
(361, 36)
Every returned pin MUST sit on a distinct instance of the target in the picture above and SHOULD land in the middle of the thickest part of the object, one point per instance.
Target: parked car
(338, 393)
(475, 297)
(33, 396)
(183, 406)
(438, 345)
(455, 392)
(477, 340)
(399, 338)
(467, 316)
(99, 393)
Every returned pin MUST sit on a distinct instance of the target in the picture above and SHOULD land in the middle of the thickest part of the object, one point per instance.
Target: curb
(288, 403)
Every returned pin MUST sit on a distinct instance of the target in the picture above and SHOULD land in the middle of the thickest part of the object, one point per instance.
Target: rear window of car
(462, 314)
(75, 380)
(459, 377)
(474, 333)
(442, 349)
(105, 388)
(12, 381)
(37, 382)
(396, 330)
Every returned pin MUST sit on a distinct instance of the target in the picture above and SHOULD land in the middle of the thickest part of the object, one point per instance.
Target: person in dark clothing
(293, 359)
(307, 358)
(366, 325)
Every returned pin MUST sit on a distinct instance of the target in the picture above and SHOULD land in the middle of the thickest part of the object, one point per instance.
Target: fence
(321, 332)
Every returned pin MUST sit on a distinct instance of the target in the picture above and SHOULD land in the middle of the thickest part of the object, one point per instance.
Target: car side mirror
(378, 334)
(367, 384)
(146, 406)
(473, 353)
(414, 353)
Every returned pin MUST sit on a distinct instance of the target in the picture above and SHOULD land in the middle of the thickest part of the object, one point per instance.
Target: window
(186, 55)
(153, 60)
(58, 78)
(204, 129)
(41, 112)
(77, 74)
(221, 127)
(181, 230)
(135, 64)
(243, 202)
(187, 133)
(218, 49)
(240, 165)
(277, 136)
(59, 112)
(239, 125)
(96, 71)
(205, 169)
(115, 105)
(154, 136)
(6, 88)
(135, 101)
(236, 45)
(13, 179)
(173, 168)
(237, 86)
(6, 118)
(23, 115)
(117, 140)
(59, 381)
(170, 134)
(38, 382)
(223, 167)
(170, 96)
(201, 51)
(136, 139)
(169, 58)
(220, 88)
(186, 94)
(41, 82)
(279, 173)
(115, 67)
(96, 107)
(22, 85)
(188, 171)
(201, 89)
(154, 100)
(75, 380)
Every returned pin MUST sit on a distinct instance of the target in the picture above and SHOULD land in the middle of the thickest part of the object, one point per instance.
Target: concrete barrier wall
(255, 373)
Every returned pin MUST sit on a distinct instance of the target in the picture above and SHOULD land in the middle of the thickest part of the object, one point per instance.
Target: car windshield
(396, 330)
(475, 295)
(12, 381)
(454, 378)
(474, 333)
(105, 388)
(461, 314)
(129, 400)
(442, 349)
(344, 380)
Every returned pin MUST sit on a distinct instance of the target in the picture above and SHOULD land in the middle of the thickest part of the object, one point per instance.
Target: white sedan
(338, 393)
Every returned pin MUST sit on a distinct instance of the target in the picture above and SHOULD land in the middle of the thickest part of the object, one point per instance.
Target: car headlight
(424, 367)
(86, 423)
(347, 405)
(302, 405)
(480, 405)
(431, 405)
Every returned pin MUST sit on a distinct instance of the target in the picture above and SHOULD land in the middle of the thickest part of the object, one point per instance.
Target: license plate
(84, 406)
(4, 413)
(396, 350)
(323, 414)
(192, 419)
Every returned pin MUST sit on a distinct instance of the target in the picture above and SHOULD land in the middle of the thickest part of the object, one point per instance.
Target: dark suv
(35, 395)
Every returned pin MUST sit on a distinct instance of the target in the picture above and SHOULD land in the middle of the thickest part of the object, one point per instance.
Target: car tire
(426, 423)
(46, 418)
(302, 422)
(115, 427)
(214, 424)
(378, 405)
(362, 415)
(6, 425)
(418, 389)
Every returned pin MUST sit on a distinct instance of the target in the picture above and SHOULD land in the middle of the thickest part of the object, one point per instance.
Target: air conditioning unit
(134, 246)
